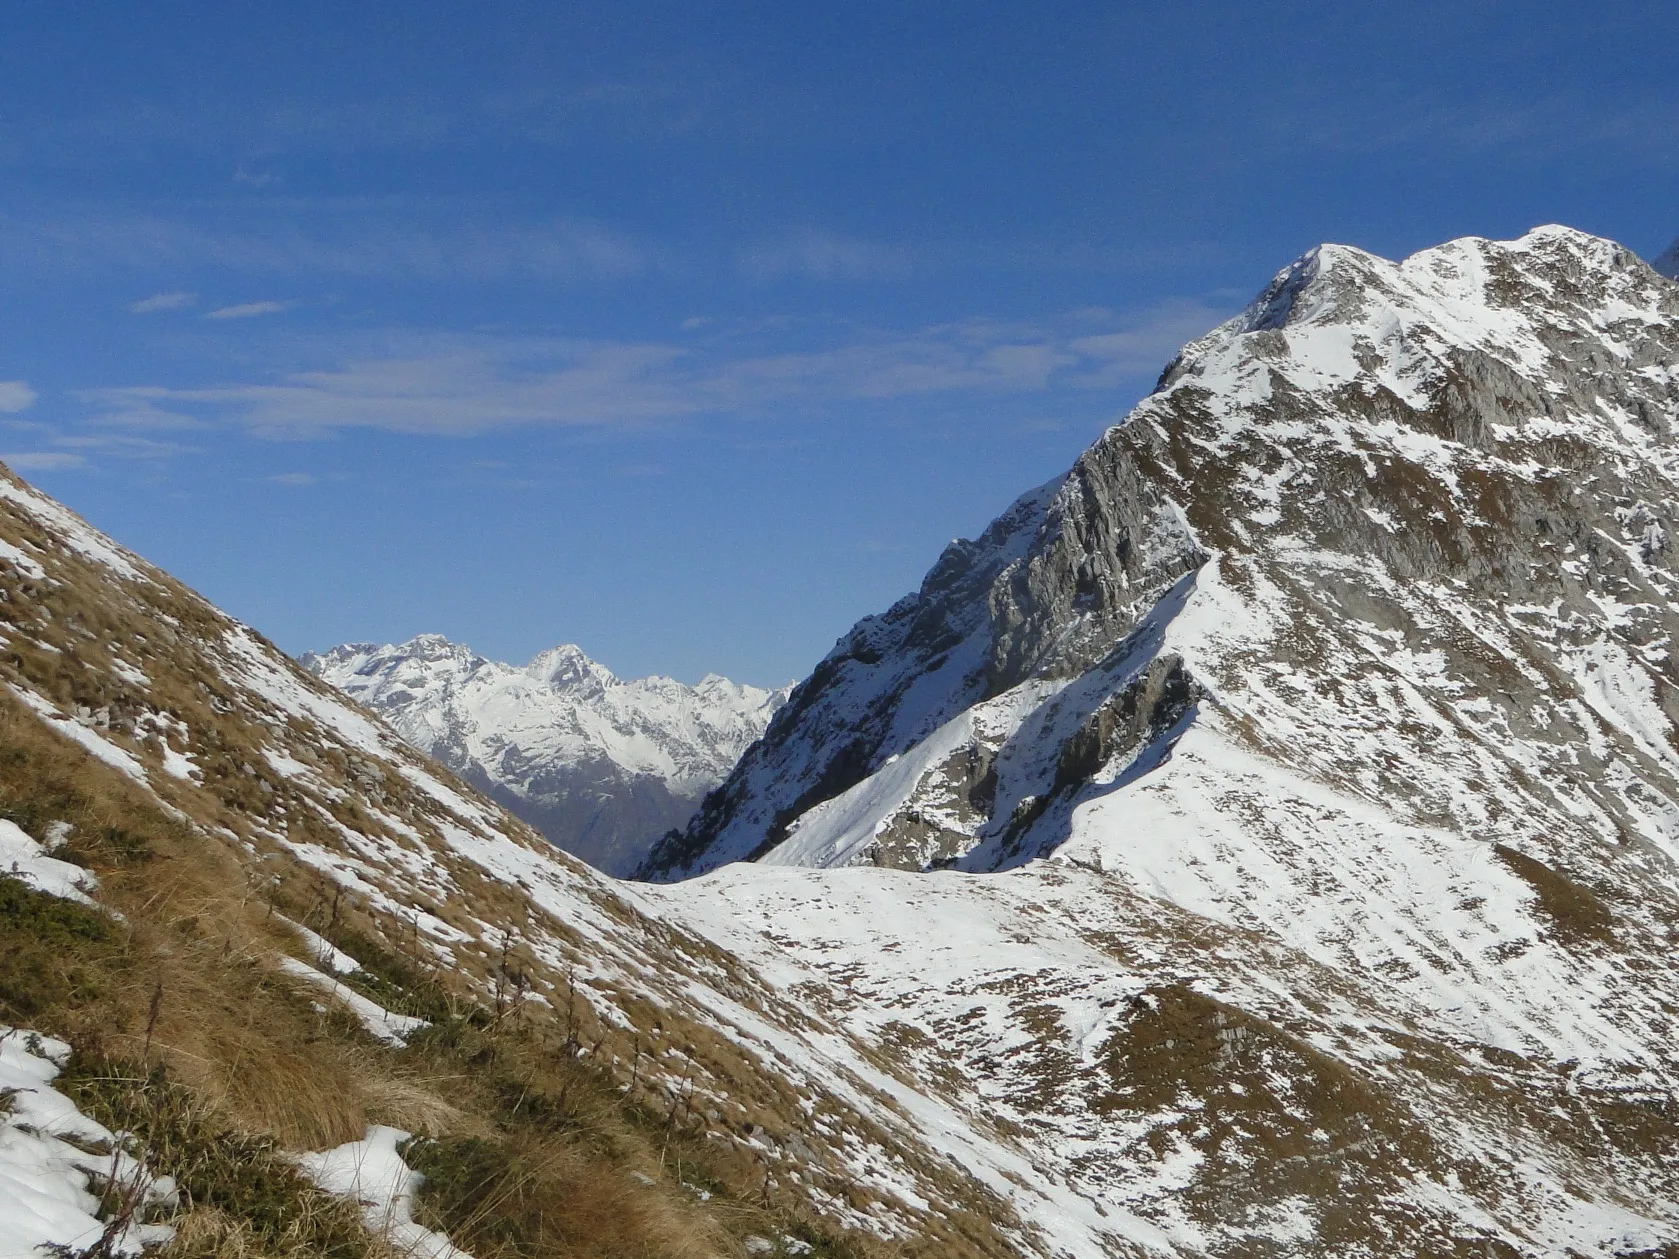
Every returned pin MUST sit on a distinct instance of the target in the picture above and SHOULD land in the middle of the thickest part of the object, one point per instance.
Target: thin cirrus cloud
(66, 451)
(15, 396)
(819, 255)
(41, 460)
(138, 415)
(177, 300)
(472, 386)
(249, 310)
(375, 239)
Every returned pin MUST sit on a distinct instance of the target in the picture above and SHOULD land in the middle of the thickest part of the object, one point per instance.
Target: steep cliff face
(1040, 598)
(600, 765)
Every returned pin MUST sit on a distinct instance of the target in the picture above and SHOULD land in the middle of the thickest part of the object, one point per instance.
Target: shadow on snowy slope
(1104, 731)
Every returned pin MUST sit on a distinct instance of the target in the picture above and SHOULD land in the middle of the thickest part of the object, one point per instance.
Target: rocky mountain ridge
(1356, 636)
(600, 765)
(1477, 414)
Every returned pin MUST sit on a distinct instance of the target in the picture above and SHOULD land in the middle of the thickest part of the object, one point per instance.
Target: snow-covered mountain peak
(601, 765)
(1343, 313)
(566, 666)
(1358, 635)
(1398, 533)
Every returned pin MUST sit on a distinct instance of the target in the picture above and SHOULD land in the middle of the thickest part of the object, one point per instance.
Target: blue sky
(692, 333)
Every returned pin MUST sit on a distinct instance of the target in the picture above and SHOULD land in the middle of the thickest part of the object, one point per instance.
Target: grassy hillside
(571, 1091)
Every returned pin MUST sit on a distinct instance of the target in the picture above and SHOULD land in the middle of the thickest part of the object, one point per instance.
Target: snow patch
(375, 1176)
(48, 1170)
(393, 1029)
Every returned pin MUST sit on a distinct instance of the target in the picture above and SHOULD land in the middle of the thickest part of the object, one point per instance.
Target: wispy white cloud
(401, 238)
(41, 460)
(123, 445)
(177, 300)
(819, 255)
(1522, 131)
(140, 416)
(249, 310)
(473, 385)
(15, 396)
(293, 478)
(554, 112)
(1145, 345)
(460, 389)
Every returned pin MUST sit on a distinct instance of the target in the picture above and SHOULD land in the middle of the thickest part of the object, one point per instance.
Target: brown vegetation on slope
(545, 1128)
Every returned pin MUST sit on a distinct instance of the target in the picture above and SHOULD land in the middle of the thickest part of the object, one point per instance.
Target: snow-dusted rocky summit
(600, 765)
(1353, 645)
(1398, 536)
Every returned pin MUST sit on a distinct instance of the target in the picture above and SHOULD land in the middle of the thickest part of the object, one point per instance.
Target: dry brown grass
(1576, 912)
(187, 983)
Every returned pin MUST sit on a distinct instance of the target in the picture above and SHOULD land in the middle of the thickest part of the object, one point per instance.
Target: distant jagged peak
(600, 764)
(563, 669)
(1668, 262)
(568, 666)
(434, 647)
(368, 659)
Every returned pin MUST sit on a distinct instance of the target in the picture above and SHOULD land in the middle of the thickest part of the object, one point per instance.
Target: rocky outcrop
(1039, 598)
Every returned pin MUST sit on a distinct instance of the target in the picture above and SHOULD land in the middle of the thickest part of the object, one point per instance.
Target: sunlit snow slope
(602, 766)
(1355, 637)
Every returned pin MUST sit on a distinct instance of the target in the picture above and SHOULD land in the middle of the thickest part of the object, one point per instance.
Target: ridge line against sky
(691, 337)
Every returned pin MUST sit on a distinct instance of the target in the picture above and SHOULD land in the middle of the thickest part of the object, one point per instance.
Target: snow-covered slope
(602, 766)
(1355, 637)
(1353, 929)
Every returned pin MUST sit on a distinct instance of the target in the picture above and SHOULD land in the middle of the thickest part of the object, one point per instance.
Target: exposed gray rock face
(1375, 453)
(1356, 638)
(600, 766)
(1043, 594)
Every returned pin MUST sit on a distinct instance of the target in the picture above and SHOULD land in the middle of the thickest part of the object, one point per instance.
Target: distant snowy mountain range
(601, 765)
